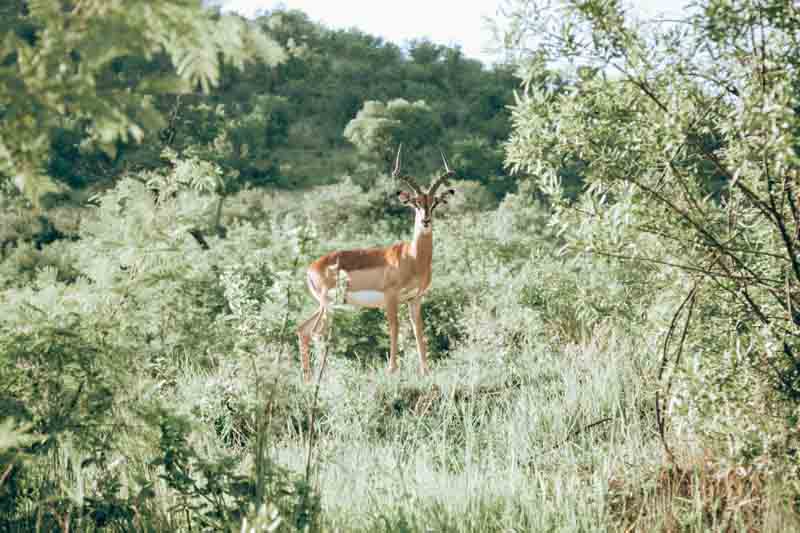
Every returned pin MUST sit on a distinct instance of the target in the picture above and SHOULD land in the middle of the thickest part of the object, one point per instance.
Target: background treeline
(283, 125)
(613, 323)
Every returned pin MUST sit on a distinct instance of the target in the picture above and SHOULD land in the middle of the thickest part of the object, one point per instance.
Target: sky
(448, 22)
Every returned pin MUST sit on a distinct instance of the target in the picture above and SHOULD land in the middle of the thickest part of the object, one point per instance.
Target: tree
(378, 129)
(476, 159)
(58, 68)
(687, 137)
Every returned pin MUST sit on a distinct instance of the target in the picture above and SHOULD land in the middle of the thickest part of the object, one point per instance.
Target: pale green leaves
(13, 435)
(378, 129)
(687, 141)
(371, 127)
(62, 74)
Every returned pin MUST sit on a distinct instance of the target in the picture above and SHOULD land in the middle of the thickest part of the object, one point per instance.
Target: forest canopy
(100, 112)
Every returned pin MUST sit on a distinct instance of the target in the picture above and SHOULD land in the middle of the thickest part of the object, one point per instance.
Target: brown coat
(395, 268)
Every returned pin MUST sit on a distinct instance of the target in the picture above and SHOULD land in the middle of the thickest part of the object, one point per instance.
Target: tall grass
(555, 438)
(477, 447)
(535, 417)
(564, 440)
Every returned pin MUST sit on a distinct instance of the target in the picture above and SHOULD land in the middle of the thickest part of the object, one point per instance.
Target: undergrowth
(538, 415)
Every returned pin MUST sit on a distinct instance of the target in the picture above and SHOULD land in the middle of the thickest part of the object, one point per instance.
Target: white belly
(365, 298)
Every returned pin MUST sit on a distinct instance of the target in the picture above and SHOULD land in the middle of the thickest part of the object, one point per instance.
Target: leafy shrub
(689, 181)
(140, 291)
(213, 492)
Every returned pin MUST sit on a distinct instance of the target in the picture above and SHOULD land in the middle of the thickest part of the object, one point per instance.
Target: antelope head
(423, 201)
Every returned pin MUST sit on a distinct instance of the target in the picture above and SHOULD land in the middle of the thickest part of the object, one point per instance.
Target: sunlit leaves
(687, 142)
(378, 129)
(13, 435)
(59, 75)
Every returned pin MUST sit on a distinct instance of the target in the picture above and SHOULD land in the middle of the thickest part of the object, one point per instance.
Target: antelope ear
(441, 198)
(404, 197)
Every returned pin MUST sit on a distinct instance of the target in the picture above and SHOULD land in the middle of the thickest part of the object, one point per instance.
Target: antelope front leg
(415, 313)
(391, 316)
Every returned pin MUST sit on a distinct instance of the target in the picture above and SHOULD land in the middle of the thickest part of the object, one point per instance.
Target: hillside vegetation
(612, 325)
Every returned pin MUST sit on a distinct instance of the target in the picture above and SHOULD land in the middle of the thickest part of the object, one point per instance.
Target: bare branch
(688, 268)
(574, 433)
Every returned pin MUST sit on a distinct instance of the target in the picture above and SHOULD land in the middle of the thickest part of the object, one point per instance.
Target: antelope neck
(422, 245)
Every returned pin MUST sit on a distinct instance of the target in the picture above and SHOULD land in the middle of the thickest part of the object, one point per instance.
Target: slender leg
(315, 326)
(415, 313)
(304, 333)
(391, 316)
(305, 349)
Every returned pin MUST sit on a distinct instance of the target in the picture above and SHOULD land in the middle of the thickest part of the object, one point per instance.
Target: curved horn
(396, 171)
(444, 160)
(408, 179)
(443, 178)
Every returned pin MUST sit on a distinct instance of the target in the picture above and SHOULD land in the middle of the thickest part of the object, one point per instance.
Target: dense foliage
(59, 73)
(687, 137)
(279, 122)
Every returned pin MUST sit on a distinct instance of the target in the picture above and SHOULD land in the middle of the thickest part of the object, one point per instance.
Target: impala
(382, 277)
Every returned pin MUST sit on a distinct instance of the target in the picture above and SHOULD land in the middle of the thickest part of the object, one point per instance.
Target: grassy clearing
(484, 443)
(555, 441)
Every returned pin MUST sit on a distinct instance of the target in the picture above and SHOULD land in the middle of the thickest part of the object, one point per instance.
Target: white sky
(446, 22)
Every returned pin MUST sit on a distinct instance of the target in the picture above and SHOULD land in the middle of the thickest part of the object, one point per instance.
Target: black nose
(426, 222)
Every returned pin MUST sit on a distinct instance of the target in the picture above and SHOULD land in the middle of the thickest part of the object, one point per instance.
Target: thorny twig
(660, 414)
(580, 430)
